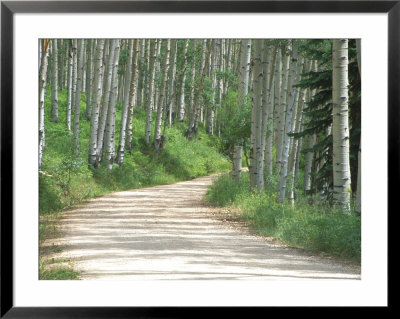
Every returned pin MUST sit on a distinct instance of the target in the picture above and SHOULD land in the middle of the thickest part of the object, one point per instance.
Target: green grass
(68, 180)
(313, 227)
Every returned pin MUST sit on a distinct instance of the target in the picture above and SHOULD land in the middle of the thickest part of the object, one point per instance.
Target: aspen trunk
(288, 126)
(70, 87)
(42, 90)
(109, 138)
(106, 98)
(97, 87)
(89, 79)
(243, 90)
(340, 124)
(54, 81)
(77, 104)
(257, 151)
(171, 86)
(133, 92)
(282, 113)
(181, 110)
(124, 113)
(165, 68)
(150, 96)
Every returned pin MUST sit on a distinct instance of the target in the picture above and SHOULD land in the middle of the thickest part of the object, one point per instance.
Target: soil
(169, 232)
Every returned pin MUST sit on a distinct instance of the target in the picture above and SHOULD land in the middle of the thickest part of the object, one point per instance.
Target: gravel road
(168, 232)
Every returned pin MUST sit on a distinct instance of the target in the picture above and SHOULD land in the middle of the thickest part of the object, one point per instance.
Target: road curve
(167, 232)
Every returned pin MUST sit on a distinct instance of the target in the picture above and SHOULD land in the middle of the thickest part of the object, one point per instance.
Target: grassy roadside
(66, 180)
(313, 227)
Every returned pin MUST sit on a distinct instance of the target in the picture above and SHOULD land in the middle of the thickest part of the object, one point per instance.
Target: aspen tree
(77, 104)
(61, 62)
(193, 128)
(54, 81)
(42, 92)
(267, 113)
(288, 126)
(192, 84)
(277, 89)
(107, 85)
(243, 90)
(257, 151)
(358, 202)
(125, 105)
(171, 84)
(283, 106)
(181, 109)
(89, 78)
(213, 75)
(340, 124)
(70, 87)
(97, 87)
(74, 72)
(150, 96)
(133, 92)
(109, 138)
(310, 142)
(140, 76)
(165, 68)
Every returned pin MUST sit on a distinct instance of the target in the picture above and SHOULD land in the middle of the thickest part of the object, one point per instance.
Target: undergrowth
(315, 227)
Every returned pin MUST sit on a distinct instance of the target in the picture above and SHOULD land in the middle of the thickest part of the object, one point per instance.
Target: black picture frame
(9, 8)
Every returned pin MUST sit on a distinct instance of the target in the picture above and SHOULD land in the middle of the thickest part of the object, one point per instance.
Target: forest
(278, 119)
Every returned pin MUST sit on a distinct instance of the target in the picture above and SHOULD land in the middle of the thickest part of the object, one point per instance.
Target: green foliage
(308, 224)
(66, 180)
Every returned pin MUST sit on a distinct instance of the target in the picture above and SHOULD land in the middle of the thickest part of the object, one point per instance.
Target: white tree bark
(109, 138)
(42, 92)
(358, 202)
(133, 101)
(257, 160)
(165, 68)
(340, 124)
(70, 87)
(288, 126)
(77, 104)
(243, 90)
(150, 96)
(89, 78)
(106, 97)
(171, 84)
(54, 81)
(181, 110)
(97, 87)
(283, 106)
(124, 113)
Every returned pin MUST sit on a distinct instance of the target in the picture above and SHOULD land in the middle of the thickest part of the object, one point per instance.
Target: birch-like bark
(54, 81)
(77, 104)
(61, 58)
(205, 59)
(358, 202)
(340, 124)
(42, 92)
(109, 138)
(243, 90)
(74, 71)
(165, 68)
(140, 77)
(97, 87)
(125, 105)
(70, 87)
(171, 85)
(213, 75)
(258, 78)
(288, 126)
(192, 85)
(106, 98)
(133, 93)
(89, 78)
(277, 92)
(283, 106)
(150, 96)
(181, 109)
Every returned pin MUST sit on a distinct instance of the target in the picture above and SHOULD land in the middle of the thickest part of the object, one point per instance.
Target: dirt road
(167, 232)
